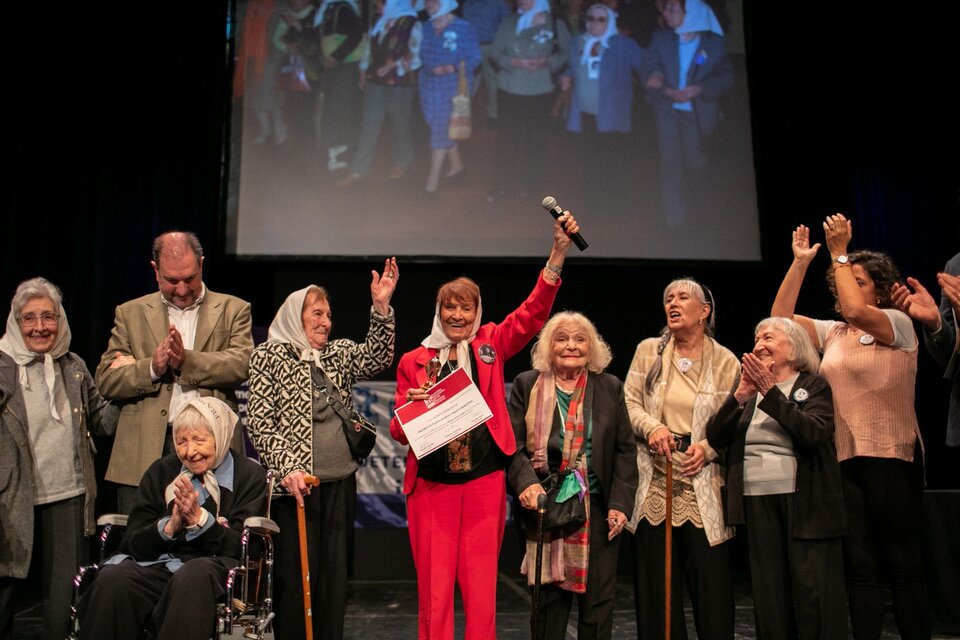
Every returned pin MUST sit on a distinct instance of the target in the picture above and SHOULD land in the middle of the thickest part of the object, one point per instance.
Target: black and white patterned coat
(280, 409)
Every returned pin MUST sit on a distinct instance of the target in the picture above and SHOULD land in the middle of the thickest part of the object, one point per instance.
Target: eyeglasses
(596, 18)
(46, 319)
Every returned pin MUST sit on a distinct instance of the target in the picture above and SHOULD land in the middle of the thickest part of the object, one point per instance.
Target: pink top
(873, 388)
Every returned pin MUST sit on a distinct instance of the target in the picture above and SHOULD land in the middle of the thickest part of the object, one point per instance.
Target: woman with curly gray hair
(567, 413)
(675, 384)
(870, 361)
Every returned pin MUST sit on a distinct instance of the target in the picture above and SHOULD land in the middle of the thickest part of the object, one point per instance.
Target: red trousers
(455, 534)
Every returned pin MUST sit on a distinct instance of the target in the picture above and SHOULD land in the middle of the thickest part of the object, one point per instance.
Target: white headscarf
(393, 9)
(593, 62)
(446, 6)
(699, 17)
(13, 345)
(526, 17)
(287, 326)
(438, 340)
(322, 11)
(222, 421)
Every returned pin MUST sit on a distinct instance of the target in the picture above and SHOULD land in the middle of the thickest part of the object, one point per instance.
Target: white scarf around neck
(587, 57)
(438, 340)
(287, 326)
(222, 421)
(13, 345)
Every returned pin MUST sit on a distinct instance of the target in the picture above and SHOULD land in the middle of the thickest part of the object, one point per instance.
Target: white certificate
(454, 407)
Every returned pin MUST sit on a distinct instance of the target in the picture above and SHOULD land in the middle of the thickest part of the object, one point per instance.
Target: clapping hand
(759, 374)
(950, 284)
(838, 231)
(918, 304)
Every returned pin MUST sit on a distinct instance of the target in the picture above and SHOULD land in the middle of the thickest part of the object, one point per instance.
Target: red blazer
(506, 338)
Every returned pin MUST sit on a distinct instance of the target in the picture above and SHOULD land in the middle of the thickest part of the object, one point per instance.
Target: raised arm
(525, 321)
(786, 301)
(855, 309)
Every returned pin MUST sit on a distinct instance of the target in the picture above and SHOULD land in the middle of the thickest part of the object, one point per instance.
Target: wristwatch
(842, 259)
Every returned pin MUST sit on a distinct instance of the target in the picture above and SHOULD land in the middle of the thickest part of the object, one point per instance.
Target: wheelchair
(247, 609)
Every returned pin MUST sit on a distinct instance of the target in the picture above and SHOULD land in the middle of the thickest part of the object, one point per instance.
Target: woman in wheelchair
(182, 537)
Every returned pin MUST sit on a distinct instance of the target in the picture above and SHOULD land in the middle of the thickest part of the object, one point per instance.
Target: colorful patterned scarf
(566, 564)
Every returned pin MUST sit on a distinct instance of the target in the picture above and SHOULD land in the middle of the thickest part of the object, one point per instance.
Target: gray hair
(804, 356)
(174, 241)
(191, 419)
(703, 296)
(35, 288)
(598, 357)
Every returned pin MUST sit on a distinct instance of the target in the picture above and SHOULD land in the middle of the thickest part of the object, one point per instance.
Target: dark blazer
(818, 506)
(710, 70)
(614, 451)
(248, 498)
(619, 61)
(942, 345)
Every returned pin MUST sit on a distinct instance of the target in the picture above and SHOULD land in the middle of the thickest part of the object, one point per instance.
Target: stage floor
(387, 610)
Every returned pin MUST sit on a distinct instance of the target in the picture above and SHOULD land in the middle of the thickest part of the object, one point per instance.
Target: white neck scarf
(222, 421)
(526, 17)
(392, 10)
(287, 326)
(446, 6)
(438, 340)
(699, 17)
(587, 57)
(13, 345)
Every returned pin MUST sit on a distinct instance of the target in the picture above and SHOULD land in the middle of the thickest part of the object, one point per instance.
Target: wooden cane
(668, 546)
(310, 481)
(535, 633)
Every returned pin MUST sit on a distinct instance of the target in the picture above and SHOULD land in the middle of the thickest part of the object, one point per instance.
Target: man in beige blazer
(166, 349)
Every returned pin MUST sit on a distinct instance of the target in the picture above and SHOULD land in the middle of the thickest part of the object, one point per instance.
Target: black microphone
(550, 204)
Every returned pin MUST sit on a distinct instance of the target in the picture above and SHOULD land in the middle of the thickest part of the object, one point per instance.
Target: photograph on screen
(438, 127)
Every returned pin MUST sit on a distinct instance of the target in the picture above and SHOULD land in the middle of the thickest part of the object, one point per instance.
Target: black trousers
(595, 607)
(704, 569)
(59, 548)
(884, 506)
(798, 585)
(330, 511)
(126, 598)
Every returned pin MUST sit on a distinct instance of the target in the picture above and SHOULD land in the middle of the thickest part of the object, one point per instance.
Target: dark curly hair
(881, 269)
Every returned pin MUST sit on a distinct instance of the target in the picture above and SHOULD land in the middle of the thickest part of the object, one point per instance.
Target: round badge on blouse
(488, 354)
(685, 365)
(801, 394)
(867, 339)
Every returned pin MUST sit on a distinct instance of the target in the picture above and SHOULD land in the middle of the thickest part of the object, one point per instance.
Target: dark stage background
(117, 113)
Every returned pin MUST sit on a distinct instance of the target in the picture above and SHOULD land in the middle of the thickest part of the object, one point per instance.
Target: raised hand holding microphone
(550, 204)
(564, 229)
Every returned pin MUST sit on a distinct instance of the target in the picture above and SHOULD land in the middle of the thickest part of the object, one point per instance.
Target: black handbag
(567, 515)
(361, 434)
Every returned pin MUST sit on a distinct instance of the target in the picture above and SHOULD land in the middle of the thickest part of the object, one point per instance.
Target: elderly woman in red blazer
(456, 495)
